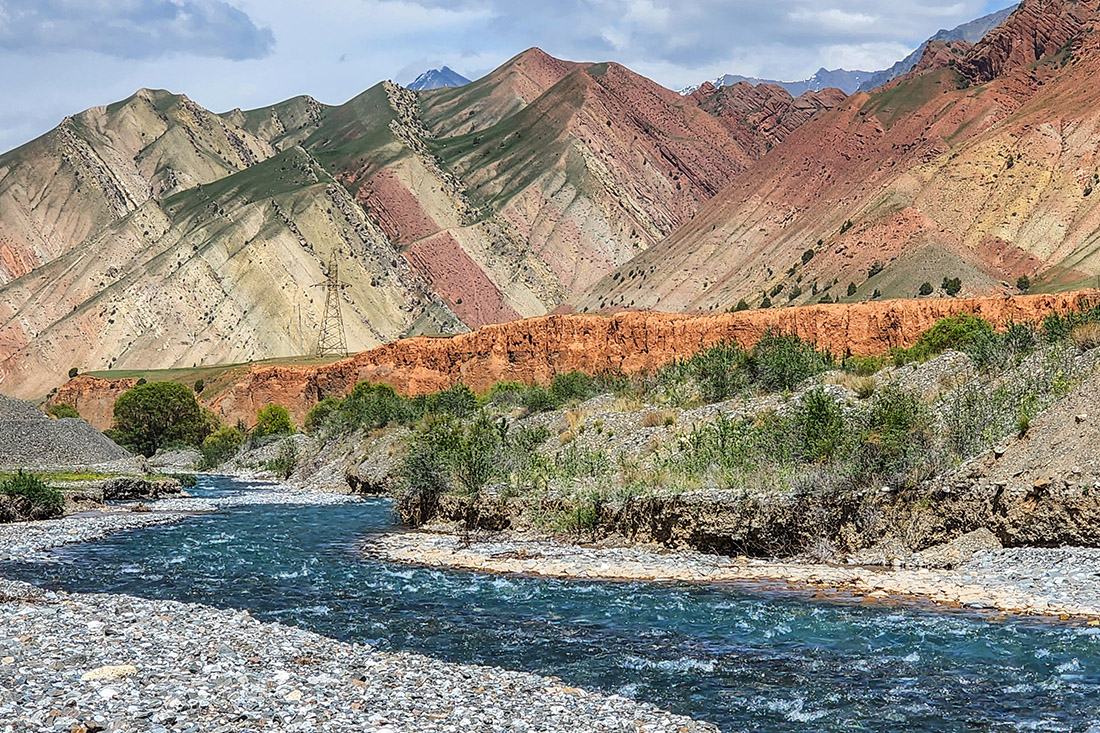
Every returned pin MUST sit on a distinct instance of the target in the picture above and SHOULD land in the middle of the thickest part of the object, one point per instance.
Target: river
(743, 658)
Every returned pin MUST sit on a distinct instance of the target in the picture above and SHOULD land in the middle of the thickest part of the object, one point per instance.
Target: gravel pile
(1062, 576)
(109, 662)
(28, 437)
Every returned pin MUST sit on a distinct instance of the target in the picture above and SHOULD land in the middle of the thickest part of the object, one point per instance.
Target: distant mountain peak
(438, 79)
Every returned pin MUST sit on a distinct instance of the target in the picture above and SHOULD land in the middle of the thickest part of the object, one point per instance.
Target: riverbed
(743, 657)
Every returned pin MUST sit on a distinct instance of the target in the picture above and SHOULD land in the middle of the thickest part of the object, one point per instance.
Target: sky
(59, 57)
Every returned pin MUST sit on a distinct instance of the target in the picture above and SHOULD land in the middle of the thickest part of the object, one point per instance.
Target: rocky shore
(1062, 583)
(118, 663)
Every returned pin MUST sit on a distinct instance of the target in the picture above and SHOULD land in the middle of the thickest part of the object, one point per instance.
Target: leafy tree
(926, 289)
(1023, 282)
(319, 414)
(220, 446)
(154, 415)
(73, 372)
(200, 385)
(61, 410)
(741, 306)
(952, 285)
(851, 289)
(766, 302)
(272, 420)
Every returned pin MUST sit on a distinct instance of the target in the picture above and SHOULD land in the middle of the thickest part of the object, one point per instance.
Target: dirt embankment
(536, 349)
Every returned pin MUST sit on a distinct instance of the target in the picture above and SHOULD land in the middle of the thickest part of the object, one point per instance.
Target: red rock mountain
(981, 165)
(536, 349)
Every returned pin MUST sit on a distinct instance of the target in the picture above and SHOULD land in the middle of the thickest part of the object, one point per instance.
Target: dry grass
(659, 418)
(566, 436)
(1086, 336)
(576, 418)
(863, 387)
(629, 403)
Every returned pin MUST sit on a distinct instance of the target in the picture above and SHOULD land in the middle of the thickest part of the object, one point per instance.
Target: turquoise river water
(743, 658)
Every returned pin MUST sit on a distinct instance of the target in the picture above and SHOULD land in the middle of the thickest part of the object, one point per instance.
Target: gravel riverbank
(1034, 581)
(108, 662)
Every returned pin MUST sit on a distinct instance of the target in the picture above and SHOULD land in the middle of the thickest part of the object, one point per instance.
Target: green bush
(219, 447)
(926, 289)
(318, 415)
(506, 394)
(32, 488)
(821, 422)
(272, 420)
(73, 371)
(370, 406)
(955, 332)
(781, 362)
(61, 411)
(158, 414)
(200, 385)
(851, 289)
(951, 285)
(282, 465)
(719, 372)
(572, 387)
(1023, 283)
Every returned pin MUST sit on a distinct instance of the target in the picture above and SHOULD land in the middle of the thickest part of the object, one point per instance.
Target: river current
(743, 658)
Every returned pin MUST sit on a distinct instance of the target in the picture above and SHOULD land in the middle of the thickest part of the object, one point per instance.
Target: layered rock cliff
(536, 349)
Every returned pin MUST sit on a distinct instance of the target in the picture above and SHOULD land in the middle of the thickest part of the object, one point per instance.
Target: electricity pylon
(331, 340)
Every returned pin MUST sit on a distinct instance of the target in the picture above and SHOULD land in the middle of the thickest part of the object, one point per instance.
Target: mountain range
(853, 81)
(153, 233)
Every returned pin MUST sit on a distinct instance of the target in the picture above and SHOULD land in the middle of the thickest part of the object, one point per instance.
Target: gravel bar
(1035, 581)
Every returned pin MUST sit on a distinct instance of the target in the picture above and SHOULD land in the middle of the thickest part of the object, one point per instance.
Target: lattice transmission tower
(331, 340)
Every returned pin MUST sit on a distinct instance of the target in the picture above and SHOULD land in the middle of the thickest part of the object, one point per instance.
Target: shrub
(154, 415)
(821, 421)
(846, 226)
(200, 385)
(926, 289)
(272, 420)
(282, 465)
(141, 381)
(951, 286)
(572, 386)
(73, 372)
(719, 372)
(318, 415)
(61, 410)
(506, 394)
(851, 289)
(807, 256)
(32, 488)
(766, 302)
(781, 362)
(457, 401)
(220, 446)
(370, 406)
(876, 267)
(741, 306)
(954, 332)
(537, 398)
(1023, 283)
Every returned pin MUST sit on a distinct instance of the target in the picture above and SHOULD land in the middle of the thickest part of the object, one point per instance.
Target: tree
(272, 420)
(926, 289)
(220, 446)
(73, 372)
(155, 415)
(1023, 282)
(741, 306)
(807, 256)
(952, 285)
(851, 289)
(200, 385)
(61, 410)
(766, 302)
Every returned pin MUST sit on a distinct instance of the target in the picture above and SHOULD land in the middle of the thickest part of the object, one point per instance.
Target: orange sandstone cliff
(536, 349)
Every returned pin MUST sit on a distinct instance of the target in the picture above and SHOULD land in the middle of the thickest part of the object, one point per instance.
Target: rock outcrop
(536, 349)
